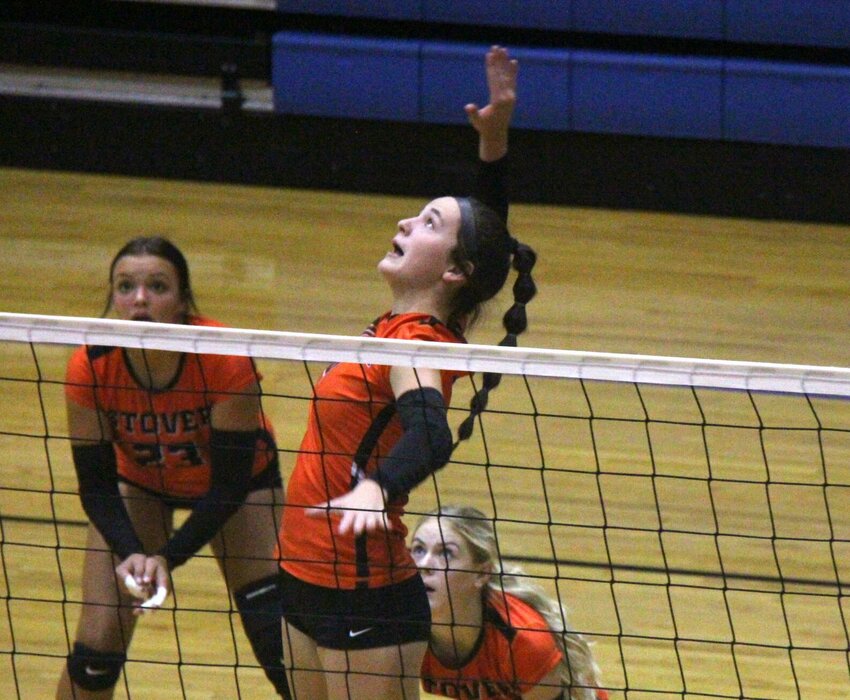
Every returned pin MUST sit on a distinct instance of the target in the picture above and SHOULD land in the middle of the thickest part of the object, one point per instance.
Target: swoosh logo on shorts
(357, 633)
(265, 589)
(95, 671)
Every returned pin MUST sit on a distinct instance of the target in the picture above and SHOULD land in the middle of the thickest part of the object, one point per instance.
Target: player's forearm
(232, 459)
(101, 500)
(492, 148)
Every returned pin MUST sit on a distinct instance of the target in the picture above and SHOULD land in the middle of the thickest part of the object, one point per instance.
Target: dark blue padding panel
(647, 95)
(699, 19)
(824, 23)
(453, 75)
(794, 104)
(533, 14)
(353, 77)
(381, 9)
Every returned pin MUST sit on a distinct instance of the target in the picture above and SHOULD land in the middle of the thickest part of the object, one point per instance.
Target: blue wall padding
(332, 76)
(700, 19)
(493, 12)
(794, 104)
(824, 23)
(531, 14)
(452, 75)
(647, 95)
(378, 9)
(566, 90)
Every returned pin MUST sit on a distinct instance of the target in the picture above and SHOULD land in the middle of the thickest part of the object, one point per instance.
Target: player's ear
(455, 274)
(485, 573)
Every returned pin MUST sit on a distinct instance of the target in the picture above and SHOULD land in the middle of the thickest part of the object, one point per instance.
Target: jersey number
(151, 454)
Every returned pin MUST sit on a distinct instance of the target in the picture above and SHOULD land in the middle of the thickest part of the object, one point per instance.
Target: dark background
(260, 147)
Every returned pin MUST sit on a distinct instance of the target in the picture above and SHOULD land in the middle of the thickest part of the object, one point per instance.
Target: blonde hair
(579, 671)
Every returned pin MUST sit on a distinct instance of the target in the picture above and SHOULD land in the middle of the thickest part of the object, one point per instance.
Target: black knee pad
(260, 609)
(94, 670)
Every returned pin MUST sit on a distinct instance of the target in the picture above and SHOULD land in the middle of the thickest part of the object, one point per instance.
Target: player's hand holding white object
(145, 578)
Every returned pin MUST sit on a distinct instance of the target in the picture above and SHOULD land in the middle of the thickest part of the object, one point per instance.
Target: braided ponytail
(514, 321)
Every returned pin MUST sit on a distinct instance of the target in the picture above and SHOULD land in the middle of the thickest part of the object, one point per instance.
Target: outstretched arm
(492, 123)
(493, 120)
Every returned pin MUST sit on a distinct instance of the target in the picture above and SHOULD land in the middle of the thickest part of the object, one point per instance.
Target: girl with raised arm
(356, 614)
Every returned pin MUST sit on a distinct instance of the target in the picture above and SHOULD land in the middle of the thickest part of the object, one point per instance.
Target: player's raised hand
(493, 120)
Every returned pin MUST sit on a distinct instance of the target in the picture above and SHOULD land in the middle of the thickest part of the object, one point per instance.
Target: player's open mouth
(142, 317)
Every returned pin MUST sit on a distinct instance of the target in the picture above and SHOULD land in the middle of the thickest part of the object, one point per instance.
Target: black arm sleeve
(231, 458)
(97, 475)
(425, 446)
(491, 186)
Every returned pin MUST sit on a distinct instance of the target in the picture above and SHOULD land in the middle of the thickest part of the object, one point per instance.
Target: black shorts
(361, 618)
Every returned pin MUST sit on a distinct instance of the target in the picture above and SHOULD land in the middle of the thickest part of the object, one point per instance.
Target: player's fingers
(473, 114)
(373, 521)
(157, 599)
(347, 522)
(153, 569)
(161, 578)
(318, 510)
(134, 588)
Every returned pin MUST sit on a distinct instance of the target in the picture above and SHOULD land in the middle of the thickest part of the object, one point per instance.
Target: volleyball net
(693, 516)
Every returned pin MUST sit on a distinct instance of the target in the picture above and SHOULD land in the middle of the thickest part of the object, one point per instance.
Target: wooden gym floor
(633, 524)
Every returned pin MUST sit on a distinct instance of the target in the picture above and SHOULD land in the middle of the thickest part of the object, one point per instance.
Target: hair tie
(467, 227)
(513, 244)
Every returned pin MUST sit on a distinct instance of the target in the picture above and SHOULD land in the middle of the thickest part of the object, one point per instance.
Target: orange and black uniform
(515, 651)
(347, 591)
(163, 441)
(161, 438)
(352, 425)
(362, 592)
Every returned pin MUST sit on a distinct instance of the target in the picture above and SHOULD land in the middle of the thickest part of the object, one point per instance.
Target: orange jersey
(352, 413)
(515, 652)
(162, 437)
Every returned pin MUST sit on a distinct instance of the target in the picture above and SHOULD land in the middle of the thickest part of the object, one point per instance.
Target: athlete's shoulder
(86, 356)
(526, 632)
(220, 372)
(204, 321)
(95, 352)
(509, 614)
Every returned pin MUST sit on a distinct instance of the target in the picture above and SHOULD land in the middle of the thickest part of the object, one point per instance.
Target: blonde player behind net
(494, 633)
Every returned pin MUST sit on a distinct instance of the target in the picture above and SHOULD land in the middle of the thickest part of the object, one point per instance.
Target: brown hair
(161, 248)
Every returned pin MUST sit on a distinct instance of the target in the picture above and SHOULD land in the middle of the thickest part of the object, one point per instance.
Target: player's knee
(260, 609)
(94, 670)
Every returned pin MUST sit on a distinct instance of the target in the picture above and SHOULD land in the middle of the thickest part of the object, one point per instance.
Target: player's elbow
(440, 445)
